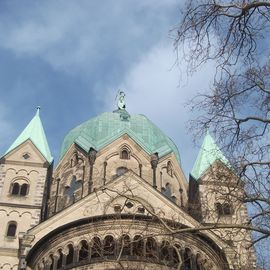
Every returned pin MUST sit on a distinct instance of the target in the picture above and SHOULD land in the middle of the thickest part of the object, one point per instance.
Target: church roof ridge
(34, 131)
(208, 154)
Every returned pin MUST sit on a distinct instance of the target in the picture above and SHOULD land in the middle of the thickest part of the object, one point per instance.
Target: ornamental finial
(121, 100)
(38, 109)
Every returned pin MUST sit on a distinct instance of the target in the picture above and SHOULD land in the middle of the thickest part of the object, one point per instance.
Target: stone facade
(118, 207)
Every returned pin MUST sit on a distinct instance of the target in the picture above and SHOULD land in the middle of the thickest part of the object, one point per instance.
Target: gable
(102, 202)
(26, 153)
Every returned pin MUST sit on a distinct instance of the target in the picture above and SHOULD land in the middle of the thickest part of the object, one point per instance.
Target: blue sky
(71, 57)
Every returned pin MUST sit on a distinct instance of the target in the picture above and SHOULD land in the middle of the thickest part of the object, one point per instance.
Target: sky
(71, 57)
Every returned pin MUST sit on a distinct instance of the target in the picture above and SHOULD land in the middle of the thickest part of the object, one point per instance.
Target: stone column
(181, 197)
(104, 173)
(56, 195)
(154, 163)
(140, 170)
(91, 158)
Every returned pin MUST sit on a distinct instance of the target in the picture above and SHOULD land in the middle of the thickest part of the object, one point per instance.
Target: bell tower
(25, 171)
(215, 199)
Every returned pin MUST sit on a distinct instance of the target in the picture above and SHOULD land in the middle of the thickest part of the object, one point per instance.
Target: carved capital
(92, 154)
(154, 160)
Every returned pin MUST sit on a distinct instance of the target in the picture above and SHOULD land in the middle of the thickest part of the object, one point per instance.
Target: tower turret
(215, 199)
(24, 170)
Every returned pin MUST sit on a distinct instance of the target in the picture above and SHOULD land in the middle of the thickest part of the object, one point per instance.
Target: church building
(118, 199)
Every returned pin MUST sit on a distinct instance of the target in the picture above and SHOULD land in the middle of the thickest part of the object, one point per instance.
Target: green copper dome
(107, 127)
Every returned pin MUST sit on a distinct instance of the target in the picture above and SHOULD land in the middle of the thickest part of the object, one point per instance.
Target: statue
(121, 100)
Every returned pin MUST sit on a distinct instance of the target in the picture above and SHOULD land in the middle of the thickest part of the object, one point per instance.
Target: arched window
(227, 210)
(167, 191)
(24, 190)
(187, 262)
(60, 259)
(124, 154)
(109, 245)
(169, 168)
(223, 209)
(165, 252)
(84, 251)
(69, 258)
(138, 245)
(11, 229)
(15, 189)
(125, 245)
(96, 248)
(175, 255)
(219, 209)
(19, 188)
(51, 262)
(121, 170)
(151, 248)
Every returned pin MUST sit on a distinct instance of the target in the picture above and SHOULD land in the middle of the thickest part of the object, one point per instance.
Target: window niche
(125, 153)
(121, 170)
(224, 209)
(11, 229)
(19, 188)
(169, 169)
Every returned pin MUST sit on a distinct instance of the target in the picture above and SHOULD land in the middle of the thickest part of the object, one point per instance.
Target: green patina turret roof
(107, 127)
(34, 131)
(208, 154)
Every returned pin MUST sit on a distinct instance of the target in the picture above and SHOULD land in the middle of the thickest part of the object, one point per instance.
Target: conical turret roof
(34, 131)
(208, 154)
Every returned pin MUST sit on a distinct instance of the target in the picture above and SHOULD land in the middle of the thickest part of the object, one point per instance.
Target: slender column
(76, 254)
(104, 174)
(181, 197)
(91, 158)
(56, 195)
(154, 163)
(83, 181)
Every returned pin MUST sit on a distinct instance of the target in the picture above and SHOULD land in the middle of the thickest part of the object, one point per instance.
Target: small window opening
(223, 209)
(169, 169)
(121, 170)
(141, 209)
(11, 231)
(24, 189)
(129, 205)
(117, 208)
(15, 189)
(124, 154)
(26, 156)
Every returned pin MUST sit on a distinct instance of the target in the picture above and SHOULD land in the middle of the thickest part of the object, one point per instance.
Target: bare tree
(233, 35)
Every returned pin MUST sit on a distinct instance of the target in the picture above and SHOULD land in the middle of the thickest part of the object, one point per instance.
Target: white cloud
(77, 36)
(6, 127)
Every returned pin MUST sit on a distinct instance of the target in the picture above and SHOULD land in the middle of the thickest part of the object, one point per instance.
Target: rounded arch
(11, 229)
(124, 153)
(20, 179)
(60, 258)
(83, 248)
(22, 170)
(26, 213)
(33, 171)
(109, 245)
(14, 213)
(212, 249)
(151, 248)
(96, 247)
(125, 245)
(19, 186)
(138, 245)
(69, 254)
